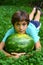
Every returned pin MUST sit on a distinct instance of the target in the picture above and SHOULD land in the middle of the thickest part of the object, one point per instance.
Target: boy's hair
(20, 16)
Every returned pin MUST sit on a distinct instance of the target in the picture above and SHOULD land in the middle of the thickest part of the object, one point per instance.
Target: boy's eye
(18, 24)
(24, 24)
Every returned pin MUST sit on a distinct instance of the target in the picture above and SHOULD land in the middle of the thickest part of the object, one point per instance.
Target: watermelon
(19, 43)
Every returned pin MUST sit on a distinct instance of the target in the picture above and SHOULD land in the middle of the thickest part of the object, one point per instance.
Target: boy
(23, 23)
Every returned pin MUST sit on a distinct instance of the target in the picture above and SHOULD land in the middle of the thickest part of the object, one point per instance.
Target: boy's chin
(21, 32)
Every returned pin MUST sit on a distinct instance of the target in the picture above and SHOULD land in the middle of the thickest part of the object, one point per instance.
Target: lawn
(5, 24)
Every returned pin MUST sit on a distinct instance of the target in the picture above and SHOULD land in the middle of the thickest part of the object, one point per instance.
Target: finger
(17, 56)
(22, 53)
(14, 53)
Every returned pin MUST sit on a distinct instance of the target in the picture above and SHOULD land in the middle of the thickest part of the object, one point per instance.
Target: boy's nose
(21, 27)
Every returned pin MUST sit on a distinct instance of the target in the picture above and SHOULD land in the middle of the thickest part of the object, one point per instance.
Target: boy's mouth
(21, 31)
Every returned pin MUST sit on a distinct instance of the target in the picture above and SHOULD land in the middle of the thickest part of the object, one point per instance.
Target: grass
(5, 23)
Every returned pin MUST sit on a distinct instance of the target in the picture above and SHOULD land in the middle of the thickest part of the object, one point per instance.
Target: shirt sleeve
(8, 33)
(32, 31)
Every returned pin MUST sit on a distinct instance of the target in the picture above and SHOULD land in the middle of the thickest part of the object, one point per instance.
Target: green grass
(5, 23)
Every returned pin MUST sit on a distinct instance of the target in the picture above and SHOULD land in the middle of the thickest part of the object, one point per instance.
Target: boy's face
(20, 27)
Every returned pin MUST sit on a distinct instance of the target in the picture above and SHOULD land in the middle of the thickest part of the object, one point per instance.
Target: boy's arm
(38, 46)
(8, 33)
(33, 33)
(2, 44)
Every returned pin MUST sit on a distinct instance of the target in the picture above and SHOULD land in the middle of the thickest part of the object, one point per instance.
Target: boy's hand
(13, 53)
(38, 46)
(17, 55)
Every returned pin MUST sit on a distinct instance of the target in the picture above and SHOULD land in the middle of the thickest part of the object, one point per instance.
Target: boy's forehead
(21, 22)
